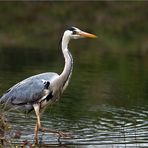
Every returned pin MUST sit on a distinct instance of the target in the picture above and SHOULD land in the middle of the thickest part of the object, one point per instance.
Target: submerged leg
(38, 123)
(39, 128)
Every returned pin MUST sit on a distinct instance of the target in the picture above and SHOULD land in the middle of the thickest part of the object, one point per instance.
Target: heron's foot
(59, 133)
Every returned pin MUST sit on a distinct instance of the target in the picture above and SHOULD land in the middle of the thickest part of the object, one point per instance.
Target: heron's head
(75, 33)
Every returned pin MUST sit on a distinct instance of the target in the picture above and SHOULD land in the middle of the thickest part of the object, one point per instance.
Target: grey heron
(36, 92)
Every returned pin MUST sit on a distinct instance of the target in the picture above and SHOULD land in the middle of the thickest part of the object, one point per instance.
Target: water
(105, 104)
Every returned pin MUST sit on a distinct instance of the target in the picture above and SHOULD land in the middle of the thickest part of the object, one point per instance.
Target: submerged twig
(4, 127)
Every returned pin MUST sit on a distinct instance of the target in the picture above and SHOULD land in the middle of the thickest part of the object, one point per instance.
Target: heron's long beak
(87, 35)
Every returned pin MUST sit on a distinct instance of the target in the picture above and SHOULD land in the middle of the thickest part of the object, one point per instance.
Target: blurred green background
(121, 26)
(109, 85)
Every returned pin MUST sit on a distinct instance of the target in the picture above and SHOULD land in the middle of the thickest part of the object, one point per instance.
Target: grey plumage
(29, 91)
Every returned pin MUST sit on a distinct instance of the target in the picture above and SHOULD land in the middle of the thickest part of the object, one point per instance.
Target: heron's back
(27, 92)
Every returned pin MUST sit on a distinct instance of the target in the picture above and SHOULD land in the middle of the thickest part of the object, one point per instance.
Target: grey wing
(29, 91)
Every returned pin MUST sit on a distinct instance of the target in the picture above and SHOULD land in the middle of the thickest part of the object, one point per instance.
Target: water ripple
(118, 126)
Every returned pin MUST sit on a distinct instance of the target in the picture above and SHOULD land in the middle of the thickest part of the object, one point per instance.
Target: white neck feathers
(67, 71)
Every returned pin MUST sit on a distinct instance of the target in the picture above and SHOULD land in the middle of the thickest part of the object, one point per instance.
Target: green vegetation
(121, 26)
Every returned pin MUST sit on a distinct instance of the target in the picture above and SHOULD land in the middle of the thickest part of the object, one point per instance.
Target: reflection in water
(105, 105)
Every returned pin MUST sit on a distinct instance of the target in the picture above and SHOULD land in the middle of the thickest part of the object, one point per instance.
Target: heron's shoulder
(35, 81)
(47, 76)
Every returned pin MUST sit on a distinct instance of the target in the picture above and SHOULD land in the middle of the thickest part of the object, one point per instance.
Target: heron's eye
(74, 32)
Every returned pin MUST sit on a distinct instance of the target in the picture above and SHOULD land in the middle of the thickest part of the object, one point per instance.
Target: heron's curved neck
(67, 71)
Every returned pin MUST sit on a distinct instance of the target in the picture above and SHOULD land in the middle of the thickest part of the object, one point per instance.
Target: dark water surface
(105, 105)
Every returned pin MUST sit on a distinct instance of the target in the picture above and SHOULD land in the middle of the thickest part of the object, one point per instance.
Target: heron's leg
(38, 127)
(38, 123)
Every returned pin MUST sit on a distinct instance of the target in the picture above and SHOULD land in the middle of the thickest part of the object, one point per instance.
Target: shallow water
(111, 127)
(105, 105)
